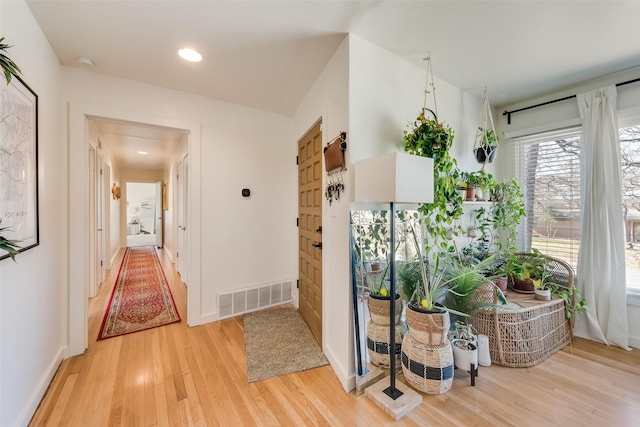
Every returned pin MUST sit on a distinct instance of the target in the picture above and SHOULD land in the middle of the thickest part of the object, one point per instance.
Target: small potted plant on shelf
(472, 181)
(484, 185)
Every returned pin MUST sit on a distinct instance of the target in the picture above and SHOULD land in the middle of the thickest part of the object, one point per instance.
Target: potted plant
(9, 67)
(541, 287)
(484, 185)
(523, 270)
(430, 138)
(464, 342)
(488, 145)
(471, 179)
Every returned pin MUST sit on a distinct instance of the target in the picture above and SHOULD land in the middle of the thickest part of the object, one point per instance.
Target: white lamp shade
(394, 177)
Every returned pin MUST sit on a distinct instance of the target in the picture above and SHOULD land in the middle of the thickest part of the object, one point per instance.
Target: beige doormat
(279, 342)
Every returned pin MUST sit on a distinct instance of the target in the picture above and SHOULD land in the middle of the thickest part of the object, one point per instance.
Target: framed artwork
(19, 164)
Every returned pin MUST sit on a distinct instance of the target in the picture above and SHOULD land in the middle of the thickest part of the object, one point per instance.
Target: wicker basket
(426, 368)
(379, 309)
(526, 333)
(428, 328)
(378, 344)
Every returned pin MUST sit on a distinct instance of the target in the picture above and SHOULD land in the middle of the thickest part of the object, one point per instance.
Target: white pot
(463, 358)
(479, 194)
(543, 294)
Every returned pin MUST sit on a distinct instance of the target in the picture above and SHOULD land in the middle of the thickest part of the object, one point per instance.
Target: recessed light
(142, 152)
(85, 61)
(190, 55)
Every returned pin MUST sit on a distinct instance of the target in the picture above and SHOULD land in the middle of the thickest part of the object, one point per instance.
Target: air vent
(246, 300)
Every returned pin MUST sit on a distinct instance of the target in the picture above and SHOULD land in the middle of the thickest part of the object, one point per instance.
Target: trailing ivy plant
(430, 138)
(507, 211)
(9, 68)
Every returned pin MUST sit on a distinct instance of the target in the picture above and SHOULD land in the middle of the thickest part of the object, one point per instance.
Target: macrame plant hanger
(429, 82)
(485, 146)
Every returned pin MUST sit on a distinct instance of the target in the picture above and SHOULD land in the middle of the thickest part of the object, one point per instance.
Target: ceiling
(266, 54)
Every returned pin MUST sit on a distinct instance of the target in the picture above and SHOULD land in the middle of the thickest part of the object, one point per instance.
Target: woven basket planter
(379, 309)
(426, 368)
(428, 327)
(378, 344)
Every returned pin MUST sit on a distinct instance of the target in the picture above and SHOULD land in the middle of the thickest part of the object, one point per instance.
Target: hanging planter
(485, 147)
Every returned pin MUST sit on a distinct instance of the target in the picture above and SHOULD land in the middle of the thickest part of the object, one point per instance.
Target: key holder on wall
(335, 165)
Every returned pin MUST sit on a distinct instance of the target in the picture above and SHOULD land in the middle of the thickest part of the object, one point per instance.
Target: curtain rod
(509, 113)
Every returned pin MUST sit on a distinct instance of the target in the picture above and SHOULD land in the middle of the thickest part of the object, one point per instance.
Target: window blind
(547, 166)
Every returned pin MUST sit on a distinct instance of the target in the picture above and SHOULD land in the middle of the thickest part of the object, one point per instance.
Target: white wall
(565, 113)
(240, 147)
(381, 94)
(328, 99)
(33, 294)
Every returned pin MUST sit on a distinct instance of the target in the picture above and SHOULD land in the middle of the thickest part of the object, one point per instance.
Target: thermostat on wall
(246, 192)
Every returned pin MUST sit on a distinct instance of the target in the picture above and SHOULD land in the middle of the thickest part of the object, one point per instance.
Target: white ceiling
(266, 54)
(126, 140)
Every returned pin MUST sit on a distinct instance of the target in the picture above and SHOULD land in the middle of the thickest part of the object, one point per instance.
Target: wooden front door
(310, 228)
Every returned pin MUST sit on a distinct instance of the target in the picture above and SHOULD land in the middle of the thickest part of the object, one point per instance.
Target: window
(548, 170)
(549, 174)
(630, 165)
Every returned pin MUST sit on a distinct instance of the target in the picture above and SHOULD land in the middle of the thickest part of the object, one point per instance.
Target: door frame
(76, 271)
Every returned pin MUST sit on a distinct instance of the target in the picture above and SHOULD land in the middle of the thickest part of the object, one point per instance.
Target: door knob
(317, 245)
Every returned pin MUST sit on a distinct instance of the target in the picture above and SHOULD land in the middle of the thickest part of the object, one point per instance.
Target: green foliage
(488, 137)
(409, 277)
(574, 304)
(507, 211)
(463, 331)
(534, 266)
(9, 67)
(428, 138)
(11, 246)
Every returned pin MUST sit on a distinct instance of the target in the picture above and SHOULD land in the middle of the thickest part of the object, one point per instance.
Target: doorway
(310, 229)
(144, 214)
(78, 211)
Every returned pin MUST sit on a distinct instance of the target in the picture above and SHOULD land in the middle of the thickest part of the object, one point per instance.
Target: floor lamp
(394, 178)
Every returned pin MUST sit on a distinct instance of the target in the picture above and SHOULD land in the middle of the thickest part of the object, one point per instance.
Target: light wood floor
(180, 376)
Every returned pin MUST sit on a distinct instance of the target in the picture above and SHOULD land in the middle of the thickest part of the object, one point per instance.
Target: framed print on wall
(18, 164)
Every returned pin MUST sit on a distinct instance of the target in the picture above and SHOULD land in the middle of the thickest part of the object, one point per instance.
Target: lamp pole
(392, 391)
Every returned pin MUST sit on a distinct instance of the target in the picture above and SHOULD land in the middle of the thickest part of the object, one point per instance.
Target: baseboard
(634, 342)
(208, 318)
(41, 389)
(348, 380)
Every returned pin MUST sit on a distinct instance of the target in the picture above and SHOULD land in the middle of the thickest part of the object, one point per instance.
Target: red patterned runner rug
(141, 297)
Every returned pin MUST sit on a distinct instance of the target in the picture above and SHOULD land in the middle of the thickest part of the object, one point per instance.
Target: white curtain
(601, 264)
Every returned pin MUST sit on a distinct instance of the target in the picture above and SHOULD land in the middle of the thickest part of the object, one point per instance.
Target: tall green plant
(9, 67)
(429, 138)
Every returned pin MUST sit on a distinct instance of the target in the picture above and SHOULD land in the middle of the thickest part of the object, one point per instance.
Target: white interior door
(183, 203)
(92, 223)
(159, 212)
(100, 217)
